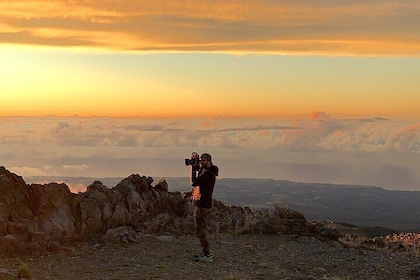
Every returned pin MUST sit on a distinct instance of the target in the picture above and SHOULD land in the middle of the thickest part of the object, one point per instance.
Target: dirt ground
(235, 257)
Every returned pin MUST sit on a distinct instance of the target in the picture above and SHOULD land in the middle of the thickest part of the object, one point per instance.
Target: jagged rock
(91, 214)
(120, 217)
(162, 185)
(53, 214)
(144, 206)
(35, 218)
(121, 234)
(133, 201)
(238, 219)
(56, 247)
(134, 182)
(98, 208)
(14, 193)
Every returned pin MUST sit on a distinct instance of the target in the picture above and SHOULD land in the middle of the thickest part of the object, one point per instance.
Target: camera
(194, 160)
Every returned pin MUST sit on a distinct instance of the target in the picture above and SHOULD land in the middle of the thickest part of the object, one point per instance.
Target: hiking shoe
(204, 258)
(197, 256)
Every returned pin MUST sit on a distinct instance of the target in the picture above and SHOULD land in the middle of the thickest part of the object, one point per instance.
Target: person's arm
(198, 181)
(204, 179)
(193, 174)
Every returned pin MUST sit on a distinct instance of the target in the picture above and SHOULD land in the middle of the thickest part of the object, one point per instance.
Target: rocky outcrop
(38, 218)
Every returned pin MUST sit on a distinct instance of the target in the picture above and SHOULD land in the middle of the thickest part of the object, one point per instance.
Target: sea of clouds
(320, 148)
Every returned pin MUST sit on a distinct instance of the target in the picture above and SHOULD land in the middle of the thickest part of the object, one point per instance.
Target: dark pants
(200, 219)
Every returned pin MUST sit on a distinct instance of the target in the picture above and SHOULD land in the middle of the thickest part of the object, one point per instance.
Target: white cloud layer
(373, 151)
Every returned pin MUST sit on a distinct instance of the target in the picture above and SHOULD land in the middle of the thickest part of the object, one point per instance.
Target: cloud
(28, 171)
(319, 115)
(320, 133)
(315, 27)
(48, 170)
(406, 138)
(211, 124)
(362, 151)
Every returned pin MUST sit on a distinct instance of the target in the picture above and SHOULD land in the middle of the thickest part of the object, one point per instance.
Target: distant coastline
(353, 204)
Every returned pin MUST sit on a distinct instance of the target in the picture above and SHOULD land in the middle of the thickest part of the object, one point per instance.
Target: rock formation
(38, 218)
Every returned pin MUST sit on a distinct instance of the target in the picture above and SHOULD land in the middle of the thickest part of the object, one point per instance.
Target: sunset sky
(313, 91)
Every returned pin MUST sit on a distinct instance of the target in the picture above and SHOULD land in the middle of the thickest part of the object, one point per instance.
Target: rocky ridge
(36, 219)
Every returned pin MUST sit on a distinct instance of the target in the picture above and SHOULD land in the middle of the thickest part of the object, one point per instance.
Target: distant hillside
(357, 205)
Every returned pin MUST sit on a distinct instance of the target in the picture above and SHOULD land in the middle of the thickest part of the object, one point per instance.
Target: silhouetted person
(202, 197)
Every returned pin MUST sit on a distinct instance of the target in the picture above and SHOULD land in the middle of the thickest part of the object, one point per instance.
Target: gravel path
(235, 257)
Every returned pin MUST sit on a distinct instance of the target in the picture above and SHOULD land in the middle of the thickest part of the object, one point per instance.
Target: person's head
(206, 160)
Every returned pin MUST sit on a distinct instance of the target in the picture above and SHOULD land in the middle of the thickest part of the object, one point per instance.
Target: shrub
(285, 212)
(24, 272)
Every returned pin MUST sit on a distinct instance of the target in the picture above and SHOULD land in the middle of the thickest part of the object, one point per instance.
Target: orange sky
(286, 27)
(240, 58)
(40, 83)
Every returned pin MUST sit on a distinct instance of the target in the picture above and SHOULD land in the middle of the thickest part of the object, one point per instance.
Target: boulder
(133, 201)
(162, 185)
(53, 213)
(15, 194)
(122, 234)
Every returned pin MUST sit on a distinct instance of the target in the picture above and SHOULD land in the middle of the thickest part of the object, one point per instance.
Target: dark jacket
(206, 182)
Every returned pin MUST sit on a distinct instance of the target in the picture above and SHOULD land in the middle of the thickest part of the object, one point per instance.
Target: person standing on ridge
(202, 197)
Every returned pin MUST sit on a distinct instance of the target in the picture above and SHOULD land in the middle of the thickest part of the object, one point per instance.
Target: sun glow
(41, 82)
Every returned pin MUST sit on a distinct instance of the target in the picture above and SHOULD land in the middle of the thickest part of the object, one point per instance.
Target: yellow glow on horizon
(168, 107)
(53, 81)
